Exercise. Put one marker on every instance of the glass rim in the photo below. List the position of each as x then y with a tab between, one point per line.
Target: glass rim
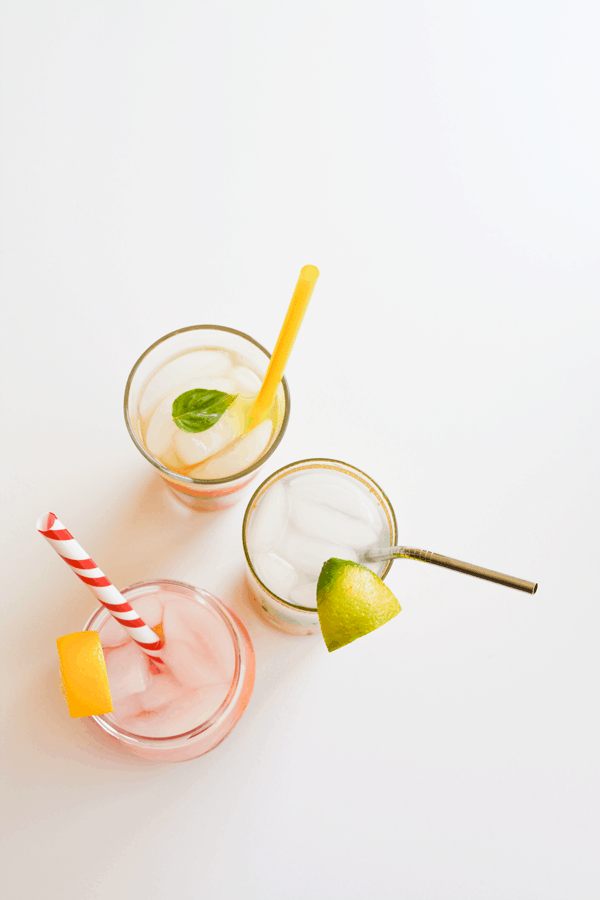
130	737
279	473
187	479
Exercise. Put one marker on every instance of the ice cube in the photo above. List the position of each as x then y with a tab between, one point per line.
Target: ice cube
246	380
198	648
190	665
163	689
127	706
305	595
196	447
320	521
181	714
226	385
176	618
195	708
269	519
338	491
161	430
128	670
113	634
307	554
239	456
180	370
274	572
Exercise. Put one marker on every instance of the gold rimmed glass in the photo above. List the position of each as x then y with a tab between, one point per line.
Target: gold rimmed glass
277	611
203	494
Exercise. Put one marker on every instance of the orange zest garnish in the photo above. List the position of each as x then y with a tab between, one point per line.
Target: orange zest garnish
83	670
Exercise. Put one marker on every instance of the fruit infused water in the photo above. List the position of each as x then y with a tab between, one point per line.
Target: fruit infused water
185	707
208	454
300	517
187	406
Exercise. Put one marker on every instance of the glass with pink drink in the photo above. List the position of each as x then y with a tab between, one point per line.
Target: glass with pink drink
185	707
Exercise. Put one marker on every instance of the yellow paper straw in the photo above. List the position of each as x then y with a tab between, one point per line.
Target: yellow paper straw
285	342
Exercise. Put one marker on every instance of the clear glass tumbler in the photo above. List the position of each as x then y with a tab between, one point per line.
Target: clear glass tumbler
199	493
215	641
331	477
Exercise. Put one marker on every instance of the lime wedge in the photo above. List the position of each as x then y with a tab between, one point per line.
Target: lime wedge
351	602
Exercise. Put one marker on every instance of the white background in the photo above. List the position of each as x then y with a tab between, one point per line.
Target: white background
173	163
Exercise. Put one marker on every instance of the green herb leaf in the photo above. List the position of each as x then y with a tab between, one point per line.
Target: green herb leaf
200	409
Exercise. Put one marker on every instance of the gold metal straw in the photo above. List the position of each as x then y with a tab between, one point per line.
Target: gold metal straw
285	342
448	563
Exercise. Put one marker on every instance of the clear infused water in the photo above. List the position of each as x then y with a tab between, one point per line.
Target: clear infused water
222	450
304	519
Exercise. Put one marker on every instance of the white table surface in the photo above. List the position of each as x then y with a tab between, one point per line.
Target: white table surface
174	163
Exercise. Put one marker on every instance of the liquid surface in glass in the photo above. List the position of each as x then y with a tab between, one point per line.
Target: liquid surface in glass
199	657
306	518
223	449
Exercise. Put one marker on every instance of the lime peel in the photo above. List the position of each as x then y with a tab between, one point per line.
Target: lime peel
351	602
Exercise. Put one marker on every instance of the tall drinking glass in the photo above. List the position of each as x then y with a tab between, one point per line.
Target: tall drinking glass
205	470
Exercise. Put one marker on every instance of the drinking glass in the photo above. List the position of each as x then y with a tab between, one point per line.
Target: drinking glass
226	645
278	611
202	494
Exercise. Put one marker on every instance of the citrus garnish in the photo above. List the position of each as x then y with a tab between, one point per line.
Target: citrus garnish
83	671
351	602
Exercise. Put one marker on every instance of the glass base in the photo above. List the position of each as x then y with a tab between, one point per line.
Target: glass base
209	501
281	624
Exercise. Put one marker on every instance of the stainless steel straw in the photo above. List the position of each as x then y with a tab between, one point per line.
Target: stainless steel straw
448	563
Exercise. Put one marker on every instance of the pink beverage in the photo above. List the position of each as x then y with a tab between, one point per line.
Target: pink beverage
206	469
186	707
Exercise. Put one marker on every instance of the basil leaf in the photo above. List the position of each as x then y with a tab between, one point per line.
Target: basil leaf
200	409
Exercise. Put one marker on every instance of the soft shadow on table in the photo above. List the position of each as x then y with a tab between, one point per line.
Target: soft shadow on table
281	659
148	529
48	751
44	739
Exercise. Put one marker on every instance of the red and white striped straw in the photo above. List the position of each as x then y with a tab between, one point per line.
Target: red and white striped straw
86	569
